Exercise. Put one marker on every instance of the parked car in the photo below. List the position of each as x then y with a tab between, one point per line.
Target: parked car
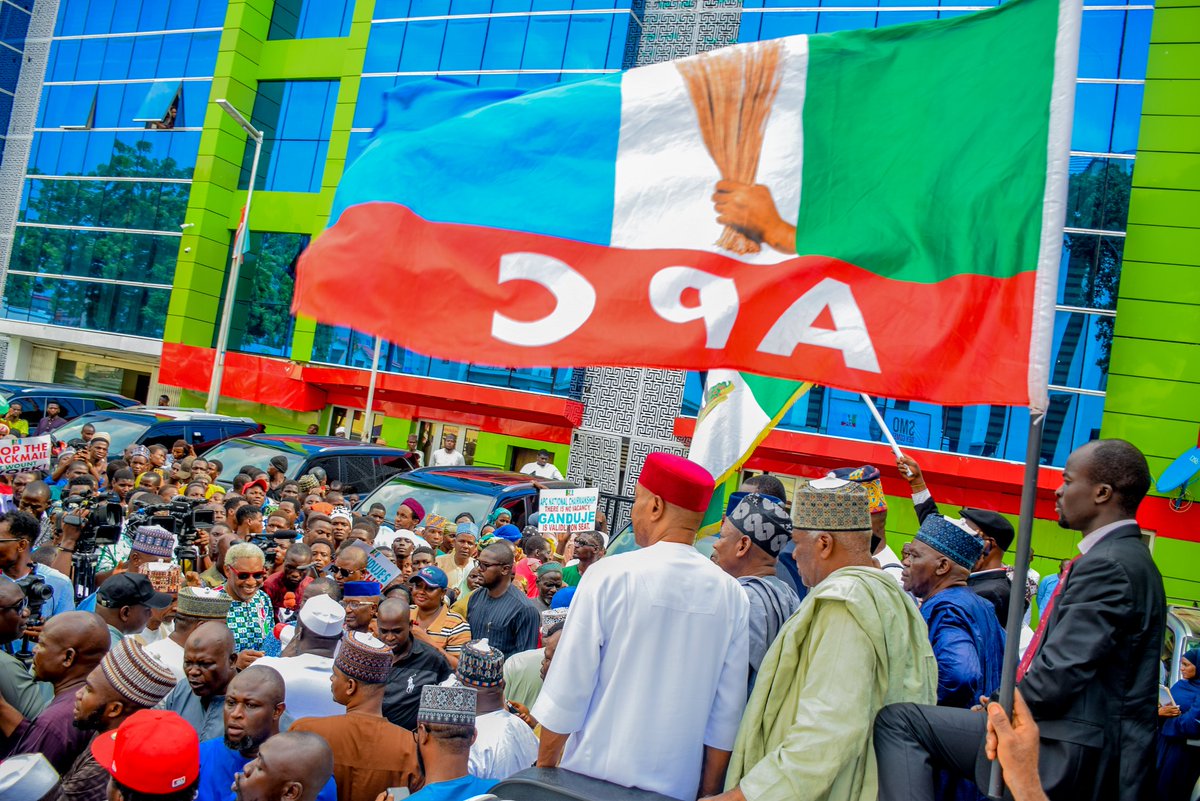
450	491
74	401
160	427
1183	634
360	465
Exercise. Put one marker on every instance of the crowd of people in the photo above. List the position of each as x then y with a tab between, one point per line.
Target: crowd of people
297	647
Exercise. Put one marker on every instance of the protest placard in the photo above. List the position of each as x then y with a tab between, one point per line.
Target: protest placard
380	568
27	453
566	510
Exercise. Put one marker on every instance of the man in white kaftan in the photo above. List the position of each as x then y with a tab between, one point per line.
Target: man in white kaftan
649	677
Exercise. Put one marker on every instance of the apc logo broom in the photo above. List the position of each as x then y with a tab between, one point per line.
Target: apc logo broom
713	397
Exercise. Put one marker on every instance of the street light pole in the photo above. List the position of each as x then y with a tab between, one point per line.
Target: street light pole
218	370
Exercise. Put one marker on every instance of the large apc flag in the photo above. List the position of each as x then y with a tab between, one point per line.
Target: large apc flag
875	210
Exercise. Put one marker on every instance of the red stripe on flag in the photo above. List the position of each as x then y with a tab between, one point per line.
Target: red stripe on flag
436	288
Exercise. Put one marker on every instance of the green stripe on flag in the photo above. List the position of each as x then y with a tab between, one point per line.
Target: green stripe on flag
931	134
739	410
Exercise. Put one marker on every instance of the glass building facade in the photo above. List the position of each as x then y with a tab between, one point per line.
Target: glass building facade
14	24
110	169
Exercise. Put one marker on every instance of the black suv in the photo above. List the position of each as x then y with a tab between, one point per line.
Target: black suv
74	401
160	427
360	465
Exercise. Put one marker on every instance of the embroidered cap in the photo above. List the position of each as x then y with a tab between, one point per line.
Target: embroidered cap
763	520
454	706
480	665
868	477
831	504
135	674
954	538
552	617
364	658
153	541
204	603
340	513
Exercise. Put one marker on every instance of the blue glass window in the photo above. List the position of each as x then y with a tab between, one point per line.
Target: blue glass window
117	56
98	16
262	317
116	308
13	26
296	118
159	100
10	69
310	19
211	14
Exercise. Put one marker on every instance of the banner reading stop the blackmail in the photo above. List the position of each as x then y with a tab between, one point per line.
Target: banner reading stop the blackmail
27	453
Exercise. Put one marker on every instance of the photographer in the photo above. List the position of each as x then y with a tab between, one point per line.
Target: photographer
18	531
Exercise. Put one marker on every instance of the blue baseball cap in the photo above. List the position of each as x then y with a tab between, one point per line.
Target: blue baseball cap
431	576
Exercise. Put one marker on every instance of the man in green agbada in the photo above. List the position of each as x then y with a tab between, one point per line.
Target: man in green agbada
856	644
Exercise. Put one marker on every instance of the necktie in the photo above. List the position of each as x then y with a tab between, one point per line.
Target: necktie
1043	624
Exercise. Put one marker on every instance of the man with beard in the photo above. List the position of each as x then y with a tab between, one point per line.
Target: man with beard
71	646
126	681
254	705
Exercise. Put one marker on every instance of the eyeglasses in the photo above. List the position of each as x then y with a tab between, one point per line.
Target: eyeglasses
10	539
357	604
487	565
19	606
257	575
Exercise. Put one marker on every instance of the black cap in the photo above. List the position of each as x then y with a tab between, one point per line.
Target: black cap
126	589
279	463
991	524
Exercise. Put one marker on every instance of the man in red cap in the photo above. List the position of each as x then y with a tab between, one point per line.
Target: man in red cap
631	719
153	754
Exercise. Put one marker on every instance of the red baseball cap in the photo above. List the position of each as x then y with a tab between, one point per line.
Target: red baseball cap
258	482
153	751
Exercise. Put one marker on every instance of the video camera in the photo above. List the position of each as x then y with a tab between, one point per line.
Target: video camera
98	518
181	517
37	592
268	545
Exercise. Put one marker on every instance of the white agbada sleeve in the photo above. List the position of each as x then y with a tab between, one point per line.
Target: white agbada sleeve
574	674
733	685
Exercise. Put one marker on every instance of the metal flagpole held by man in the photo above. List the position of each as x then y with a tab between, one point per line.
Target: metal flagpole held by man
240	239
1054	215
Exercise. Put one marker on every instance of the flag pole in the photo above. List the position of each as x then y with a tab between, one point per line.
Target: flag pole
887	434
1016	593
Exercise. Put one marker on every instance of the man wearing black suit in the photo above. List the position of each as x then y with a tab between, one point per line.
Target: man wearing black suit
1092	680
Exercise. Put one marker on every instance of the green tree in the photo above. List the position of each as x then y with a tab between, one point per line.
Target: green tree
143	205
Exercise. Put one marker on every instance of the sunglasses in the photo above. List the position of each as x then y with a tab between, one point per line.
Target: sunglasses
343	572
257	575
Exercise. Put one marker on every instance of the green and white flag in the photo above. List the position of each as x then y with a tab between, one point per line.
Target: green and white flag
739	410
